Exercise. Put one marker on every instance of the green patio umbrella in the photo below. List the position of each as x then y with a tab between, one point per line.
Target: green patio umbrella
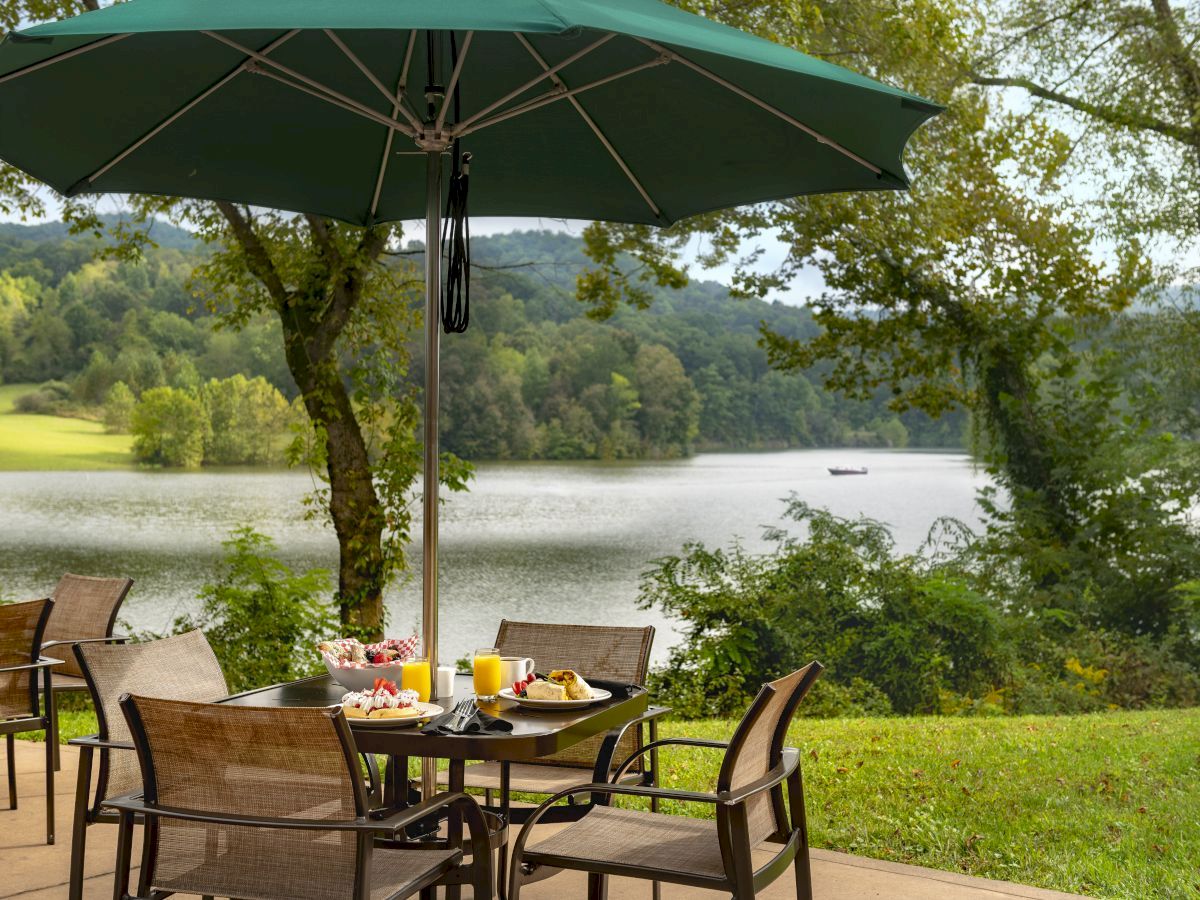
619	110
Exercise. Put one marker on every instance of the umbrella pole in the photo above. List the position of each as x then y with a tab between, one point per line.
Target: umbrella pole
429	565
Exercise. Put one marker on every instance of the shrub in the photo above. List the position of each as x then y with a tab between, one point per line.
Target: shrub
50	398
894	632
168	427
118	409
262	619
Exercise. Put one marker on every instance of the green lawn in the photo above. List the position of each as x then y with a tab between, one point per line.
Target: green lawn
1105	805
54	443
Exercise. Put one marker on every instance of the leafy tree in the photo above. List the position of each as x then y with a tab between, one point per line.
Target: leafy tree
668	408
246	418
118	409
18	296
1127	72
169	428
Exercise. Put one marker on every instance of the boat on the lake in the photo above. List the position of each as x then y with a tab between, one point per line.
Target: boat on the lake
847	470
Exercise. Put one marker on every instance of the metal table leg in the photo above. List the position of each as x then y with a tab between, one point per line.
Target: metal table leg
506	811
454	824
83	789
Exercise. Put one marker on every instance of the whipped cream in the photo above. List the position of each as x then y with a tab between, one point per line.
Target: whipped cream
380	699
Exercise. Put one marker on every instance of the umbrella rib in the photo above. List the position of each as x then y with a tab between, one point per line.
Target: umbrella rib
372	116
462	127
591	123
183	110
371	76
335	97
557	94
746	95
458	67
396	109
400	92
67	54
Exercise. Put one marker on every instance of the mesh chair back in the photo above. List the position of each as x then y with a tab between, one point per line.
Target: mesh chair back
182	667
21	629
84	607
611	653
229	761
757	747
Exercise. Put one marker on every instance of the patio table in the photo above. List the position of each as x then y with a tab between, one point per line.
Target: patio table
535	733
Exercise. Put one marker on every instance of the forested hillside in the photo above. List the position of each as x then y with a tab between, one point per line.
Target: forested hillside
532	378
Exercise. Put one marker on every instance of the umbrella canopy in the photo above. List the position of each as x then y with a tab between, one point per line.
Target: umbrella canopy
620	110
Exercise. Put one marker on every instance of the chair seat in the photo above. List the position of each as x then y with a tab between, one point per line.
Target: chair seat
526	778
62	682
671	844
523	777
393	871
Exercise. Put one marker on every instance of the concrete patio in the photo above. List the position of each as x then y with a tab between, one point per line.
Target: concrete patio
32	871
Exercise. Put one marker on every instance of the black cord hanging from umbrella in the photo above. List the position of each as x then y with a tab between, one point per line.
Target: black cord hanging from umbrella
456	233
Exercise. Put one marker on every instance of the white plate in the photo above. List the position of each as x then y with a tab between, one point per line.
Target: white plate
428	711
598	694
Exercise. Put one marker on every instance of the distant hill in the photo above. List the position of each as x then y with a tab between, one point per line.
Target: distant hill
533	377
164	233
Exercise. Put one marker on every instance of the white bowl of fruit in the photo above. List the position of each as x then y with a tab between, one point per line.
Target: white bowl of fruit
355	666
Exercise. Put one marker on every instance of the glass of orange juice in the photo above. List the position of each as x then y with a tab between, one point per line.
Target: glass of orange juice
415	677
487	673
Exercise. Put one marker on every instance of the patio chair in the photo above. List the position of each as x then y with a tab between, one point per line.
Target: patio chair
612	653
751	815
243	801
21	628
85	610
182	667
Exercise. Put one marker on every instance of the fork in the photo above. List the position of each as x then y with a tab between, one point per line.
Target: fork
461	711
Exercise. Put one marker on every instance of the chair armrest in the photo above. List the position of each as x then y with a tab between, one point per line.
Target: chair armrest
665	742
604	787
42	663
777	775
111	639
94	740
612	740
787	765
632	790
134	803
477	829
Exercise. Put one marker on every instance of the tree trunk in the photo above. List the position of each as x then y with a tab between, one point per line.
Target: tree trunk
353	504
312	319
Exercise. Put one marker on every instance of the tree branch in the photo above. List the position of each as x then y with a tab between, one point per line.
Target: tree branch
1188	136
1185	66
259	259
1037	27
325	244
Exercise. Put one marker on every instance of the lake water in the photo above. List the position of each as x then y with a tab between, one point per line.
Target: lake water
536	541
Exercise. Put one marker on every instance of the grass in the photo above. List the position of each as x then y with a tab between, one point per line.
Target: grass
1105	805
42	443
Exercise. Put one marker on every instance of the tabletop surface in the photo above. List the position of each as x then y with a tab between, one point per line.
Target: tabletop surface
535	732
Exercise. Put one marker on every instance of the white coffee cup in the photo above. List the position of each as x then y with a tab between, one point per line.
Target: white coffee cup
515	668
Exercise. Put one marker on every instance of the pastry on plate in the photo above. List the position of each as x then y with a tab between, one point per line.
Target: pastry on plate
383	697
576	687
545	690
403	712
